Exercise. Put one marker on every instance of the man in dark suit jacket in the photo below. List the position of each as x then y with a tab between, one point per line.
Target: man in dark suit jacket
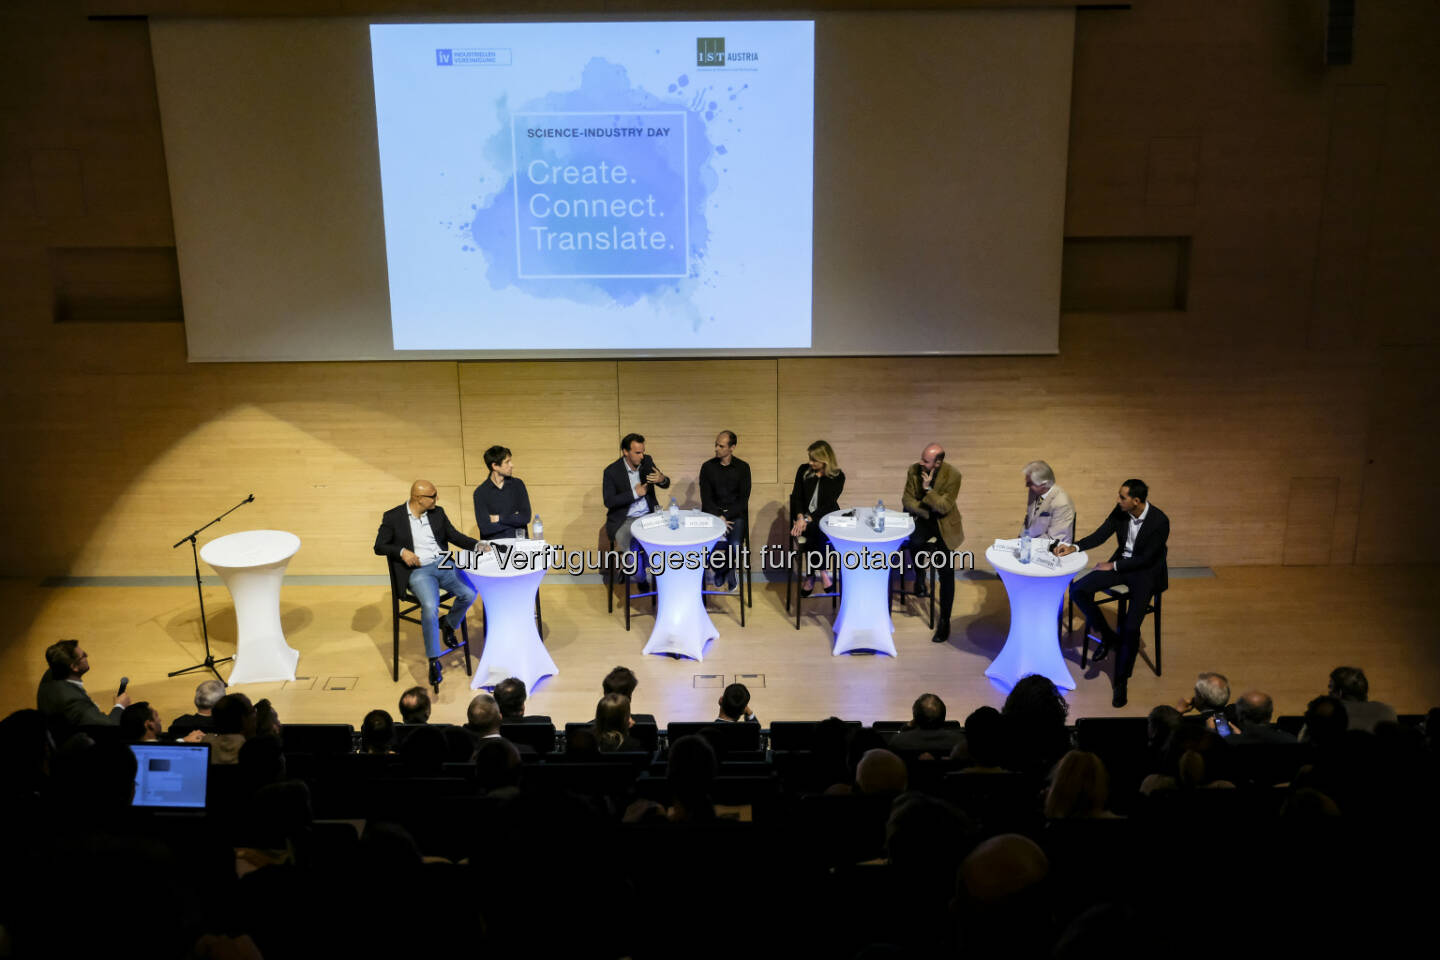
1252	713
629	489
927	732
415	536
62	697
1138	561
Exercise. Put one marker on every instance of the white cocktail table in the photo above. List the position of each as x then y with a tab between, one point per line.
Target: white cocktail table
1035	592
682	625
252	564
513	647
863	622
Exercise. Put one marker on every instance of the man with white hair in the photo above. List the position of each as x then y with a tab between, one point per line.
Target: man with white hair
1049	514
1212	696
206	696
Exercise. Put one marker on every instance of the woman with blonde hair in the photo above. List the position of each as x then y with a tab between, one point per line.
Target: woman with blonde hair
1079	788
818	485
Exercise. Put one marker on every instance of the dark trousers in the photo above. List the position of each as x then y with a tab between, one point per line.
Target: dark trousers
939	559
1142	588
733	540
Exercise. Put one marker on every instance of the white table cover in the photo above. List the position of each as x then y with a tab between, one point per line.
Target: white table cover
252	565
513	647
682	625
1036	592
863	622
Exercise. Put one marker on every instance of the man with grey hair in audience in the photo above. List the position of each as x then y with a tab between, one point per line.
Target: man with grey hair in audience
1049	514
1252	715
483	718
206	696
1349	686
1212	693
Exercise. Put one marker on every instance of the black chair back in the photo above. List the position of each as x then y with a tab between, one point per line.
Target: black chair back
725	738
538	736
802	734
318	738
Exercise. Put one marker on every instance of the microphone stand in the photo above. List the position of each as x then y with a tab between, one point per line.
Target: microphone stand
209	662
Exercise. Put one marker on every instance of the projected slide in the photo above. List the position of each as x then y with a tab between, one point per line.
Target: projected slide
608	186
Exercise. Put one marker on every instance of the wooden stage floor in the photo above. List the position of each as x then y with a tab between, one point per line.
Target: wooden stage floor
1278	629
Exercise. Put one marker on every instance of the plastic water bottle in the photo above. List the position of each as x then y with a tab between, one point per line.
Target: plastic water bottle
674	514
1025	547
879	516
539	528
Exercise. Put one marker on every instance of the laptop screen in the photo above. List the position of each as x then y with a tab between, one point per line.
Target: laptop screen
171	774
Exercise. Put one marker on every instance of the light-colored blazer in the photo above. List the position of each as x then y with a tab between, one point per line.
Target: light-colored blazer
1052	518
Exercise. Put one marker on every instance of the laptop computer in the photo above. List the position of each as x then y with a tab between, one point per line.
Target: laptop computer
171	776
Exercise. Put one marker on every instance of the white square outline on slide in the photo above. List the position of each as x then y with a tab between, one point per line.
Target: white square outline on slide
685	172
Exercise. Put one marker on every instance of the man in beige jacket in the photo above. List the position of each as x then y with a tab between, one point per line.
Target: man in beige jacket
931	489
1049	514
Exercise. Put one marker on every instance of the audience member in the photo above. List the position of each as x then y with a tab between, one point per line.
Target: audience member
377	733
1159	725
622	680
267	720
1079	788
613	723
510	696
691	774
423	752
735	705
1212	693
1194	759
234	724
140	723
1000	899
881	772
415	705
261	761
926	732
582	744
460	743
984	742
1349	686
482	718
1252	715
62	697
1035	715
207	694
25	751
497	766
1326	720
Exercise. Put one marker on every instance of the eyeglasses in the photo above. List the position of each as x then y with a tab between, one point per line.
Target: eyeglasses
428	496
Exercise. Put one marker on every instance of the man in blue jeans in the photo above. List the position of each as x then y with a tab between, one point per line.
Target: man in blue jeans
415	536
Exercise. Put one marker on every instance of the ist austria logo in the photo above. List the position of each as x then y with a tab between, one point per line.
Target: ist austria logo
709	51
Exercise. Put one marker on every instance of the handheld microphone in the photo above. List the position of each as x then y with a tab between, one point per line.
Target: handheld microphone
250	499
124	682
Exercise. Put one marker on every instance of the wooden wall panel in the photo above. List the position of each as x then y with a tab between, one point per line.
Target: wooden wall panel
1310	520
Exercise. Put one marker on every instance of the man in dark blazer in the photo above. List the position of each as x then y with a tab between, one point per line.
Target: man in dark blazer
926	732
62	697
1138	561
416	537
629	486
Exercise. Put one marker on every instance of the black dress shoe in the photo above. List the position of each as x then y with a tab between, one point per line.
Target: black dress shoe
1102	650
447	634
436	674
942	631
1120	696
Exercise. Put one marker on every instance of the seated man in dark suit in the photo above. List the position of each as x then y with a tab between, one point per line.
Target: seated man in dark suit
1252	714
926	732
628	486
62	697
1138	561
415	536
510	697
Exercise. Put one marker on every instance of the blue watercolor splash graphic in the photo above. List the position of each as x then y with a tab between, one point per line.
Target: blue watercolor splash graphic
604	90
